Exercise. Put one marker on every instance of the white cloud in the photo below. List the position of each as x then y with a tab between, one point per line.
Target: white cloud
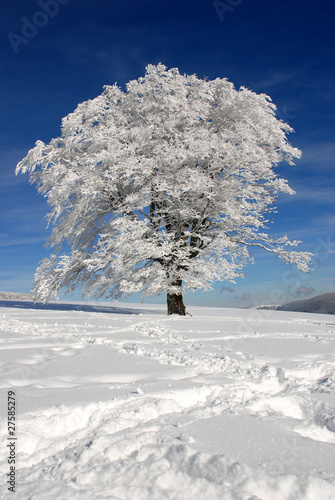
274	79
4	242
320	155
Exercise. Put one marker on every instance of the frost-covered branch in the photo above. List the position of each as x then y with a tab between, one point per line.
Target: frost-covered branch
167	183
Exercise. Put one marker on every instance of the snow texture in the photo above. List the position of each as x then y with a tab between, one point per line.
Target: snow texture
128	404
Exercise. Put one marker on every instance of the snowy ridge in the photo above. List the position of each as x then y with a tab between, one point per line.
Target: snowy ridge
324	304
220	405
15	296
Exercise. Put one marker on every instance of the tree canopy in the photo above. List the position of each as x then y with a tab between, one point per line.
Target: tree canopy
162	187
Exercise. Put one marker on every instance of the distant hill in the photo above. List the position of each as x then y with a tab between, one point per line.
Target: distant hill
322	304
15	296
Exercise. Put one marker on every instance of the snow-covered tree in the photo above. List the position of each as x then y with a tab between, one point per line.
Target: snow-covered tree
161	188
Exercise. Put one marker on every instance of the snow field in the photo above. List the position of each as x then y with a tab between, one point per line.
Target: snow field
219	405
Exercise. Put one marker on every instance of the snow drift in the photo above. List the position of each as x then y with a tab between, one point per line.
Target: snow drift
226	404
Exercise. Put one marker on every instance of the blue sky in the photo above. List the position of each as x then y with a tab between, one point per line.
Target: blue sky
58	53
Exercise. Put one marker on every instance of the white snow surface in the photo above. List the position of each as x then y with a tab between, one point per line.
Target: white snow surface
124	402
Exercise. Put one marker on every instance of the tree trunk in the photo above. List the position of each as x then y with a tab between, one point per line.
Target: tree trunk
175	303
